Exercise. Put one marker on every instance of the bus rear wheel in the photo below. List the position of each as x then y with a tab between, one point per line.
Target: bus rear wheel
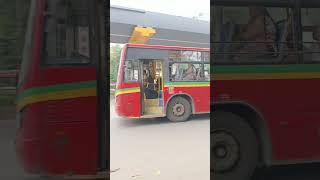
179	109
234	147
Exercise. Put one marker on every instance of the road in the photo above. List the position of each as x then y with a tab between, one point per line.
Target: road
157	149
10	168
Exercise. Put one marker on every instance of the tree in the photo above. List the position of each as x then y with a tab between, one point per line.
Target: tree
115	53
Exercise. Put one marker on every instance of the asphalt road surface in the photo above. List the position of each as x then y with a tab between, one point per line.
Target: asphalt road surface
10	168
156	149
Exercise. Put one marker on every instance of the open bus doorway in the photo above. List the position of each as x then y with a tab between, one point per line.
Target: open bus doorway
152	88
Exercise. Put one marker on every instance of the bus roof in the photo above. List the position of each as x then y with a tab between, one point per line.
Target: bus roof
166	47
271	3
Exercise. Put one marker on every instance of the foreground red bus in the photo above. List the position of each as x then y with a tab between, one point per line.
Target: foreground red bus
265	100
61	101
159	81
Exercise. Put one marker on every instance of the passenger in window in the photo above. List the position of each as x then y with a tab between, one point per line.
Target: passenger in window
289	38
316	46
147	79
287	48
261	28
190	73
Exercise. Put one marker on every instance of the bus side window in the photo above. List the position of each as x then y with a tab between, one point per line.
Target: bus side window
131	71
311	34
250	35
206	73
185	72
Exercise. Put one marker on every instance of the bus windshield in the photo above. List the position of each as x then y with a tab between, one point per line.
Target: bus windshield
67	32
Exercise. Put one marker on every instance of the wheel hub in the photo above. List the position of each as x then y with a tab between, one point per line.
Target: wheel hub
221	151
178	109
225	151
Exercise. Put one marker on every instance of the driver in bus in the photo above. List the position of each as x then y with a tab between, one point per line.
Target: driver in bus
147	79
260	28
148	83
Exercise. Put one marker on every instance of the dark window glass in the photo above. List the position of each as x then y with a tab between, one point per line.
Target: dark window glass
311	34
131	71
193	56
146	53
189	72
252	35
67	32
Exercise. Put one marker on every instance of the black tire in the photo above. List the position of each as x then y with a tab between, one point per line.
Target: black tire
178	109
234	147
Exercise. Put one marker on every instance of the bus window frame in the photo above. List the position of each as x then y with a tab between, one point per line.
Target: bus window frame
265	3
124	71
293	7
92	61
302	42
202	63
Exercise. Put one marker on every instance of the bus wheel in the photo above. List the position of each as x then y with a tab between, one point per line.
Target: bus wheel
179	109
234	147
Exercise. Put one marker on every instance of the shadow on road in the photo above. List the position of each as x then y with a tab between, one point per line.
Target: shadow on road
295	172
157	121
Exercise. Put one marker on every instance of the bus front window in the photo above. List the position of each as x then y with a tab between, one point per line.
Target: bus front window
131	73
67	32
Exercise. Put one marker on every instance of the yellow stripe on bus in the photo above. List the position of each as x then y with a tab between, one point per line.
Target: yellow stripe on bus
67	94
127	91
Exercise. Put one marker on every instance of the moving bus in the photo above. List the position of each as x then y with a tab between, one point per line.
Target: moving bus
158	81
265	100
61	102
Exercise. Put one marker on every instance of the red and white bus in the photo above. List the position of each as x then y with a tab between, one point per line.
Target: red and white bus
265	100
61	93
158	81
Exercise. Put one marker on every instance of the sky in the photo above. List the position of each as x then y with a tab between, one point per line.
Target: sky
184	8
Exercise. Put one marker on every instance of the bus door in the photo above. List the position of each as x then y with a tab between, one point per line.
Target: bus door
152	88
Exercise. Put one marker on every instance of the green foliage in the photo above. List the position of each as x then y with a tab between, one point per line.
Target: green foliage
115	53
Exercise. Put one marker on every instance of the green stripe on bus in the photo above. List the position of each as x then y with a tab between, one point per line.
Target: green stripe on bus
55	88
186	83
281	68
